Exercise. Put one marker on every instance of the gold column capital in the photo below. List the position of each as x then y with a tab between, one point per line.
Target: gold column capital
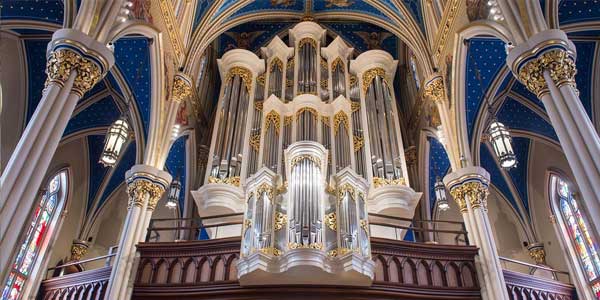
182	87
557	61
140	188
78	249
434	89
475	192
63	61
537	253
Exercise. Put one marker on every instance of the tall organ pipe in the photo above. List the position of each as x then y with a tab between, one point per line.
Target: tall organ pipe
338	78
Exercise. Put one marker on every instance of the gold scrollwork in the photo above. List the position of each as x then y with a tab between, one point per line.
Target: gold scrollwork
434	90
287	120
235	181
325	120
280	221
369	75
244	73
282	188
354	106
267	189
557	62
538	254
364	224
63	61
271	251
302	157
247	224
78	250
336	62
255	141
379	182
307	40
181	89
324	83
339	252
290	63
353	80
258	105
475	191
346	188
138	190
358	142
261	79
323	63
331	221
340	118
273	118
276	62
317	246
288	83
311	110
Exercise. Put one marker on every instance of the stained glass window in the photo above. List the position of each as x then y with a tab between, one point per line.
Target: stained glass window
581	238
413	70
36	237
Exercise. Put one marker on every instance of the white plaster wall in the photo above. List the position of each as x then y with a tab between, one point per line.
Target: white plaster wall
13	79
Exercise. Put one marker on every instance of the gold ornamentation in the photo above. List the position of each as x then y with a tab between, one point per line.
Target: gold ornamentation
353	80
434	90
410	155
244	73
323	63
290	64
475	191
339	252
261	79
63	61
557	62
182	88
331	221
330	189
537	253
325	120
324	83
235	181
317	246
167	10
287	120
267	189
78	249
247	224
336	62
379	182
307	40
359	142
302	157
258	105
276	62
338	118
255	141
364	225
271	251
288	83
448	22
280	221
346	188
369	75
282	188
354	106
273	118
140	189
308	109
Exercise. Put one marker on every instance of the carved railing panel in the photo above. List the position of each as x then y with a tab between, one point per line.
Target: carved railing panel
82	285
524	286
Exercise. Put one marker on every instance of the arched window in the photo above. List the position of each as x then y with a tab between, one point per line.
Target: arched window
36	240
583	242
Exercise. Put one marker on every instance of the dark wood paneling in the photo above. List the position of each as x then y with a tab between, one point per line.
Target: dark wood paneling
83	285
523	286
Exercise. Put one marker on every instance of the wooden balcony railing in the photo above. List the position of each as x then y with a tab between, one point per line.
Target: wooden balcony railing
207	270
523	286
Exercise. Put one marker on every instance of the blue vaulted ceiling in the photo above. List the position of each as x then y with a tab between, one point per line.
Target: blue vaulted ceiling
576	11
439	165
176	165
34	10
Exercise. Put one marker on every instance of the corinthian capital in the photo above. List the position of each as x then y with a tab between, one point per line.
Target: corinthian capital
434	89
469	185
182	87
145	183
559	64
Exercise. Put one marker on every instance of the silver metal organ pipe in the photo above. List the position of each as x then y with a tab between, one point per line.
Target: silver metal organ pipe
240	128
393	137
374	133
382	119
226	155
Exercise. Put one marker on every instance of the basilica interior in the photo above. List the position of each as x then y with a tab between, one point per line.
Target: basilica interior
285	149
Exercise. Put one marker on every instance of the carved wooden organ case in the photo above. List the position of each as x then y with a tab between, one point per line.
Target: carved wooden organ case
306	143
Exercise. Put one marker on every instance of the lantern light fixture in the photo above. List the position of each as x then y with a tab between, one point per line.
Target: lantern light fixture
502	143
174	192
116	137
440	195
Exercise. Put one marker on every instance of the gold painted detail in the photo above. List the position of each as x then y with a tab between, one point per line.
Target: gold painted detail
307	40
364	224
282	188
434	90
336	62
287	120
255	141
369	75
379	182
538	254
446	26
261	79
344	189
339	252
271	251
324	83
273	118
280	221
288	83
410	155
308	109
325	120
167	10
78	250
290	63
265	189
317	246
359	142
258	105
474	192
323	63
330	189
244	73
353	80
340	118
276	62
138	190
302	157
63	61
235	181
247	224
331	221
557	62
354	106
181	89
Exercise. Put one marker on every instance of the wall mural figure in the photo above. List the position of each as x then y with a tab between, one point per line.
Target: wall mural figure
373	39
243	40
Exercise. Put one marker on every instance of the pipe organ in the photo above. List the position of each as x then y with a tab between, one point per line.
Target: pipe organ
306	143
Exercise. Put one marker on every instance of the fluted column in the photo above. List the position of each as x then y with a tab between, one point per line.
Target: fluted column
545	64
75	63
469	188
145	186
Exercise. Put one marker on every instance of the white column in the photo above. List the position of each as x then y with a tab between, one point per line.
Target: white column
76	62
545	64
469	188
145	186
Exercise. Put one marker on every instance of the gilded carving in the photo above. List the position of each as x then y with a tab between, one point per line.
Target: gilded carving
139	189
434	90
379	182
354	106
247	224
410	155
261	79
287	120
244	74
557	62
235	181
346	188
280	221
475	192
302	157
336	62
331	221
307	40
353	80
364	224
273	118
537	253
358	142
311	110
340	118
258	105
271	251
78	250
317	246
266	189
369	75
339	252
181	89
63	61
325	120
323	63
255	141
324	83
